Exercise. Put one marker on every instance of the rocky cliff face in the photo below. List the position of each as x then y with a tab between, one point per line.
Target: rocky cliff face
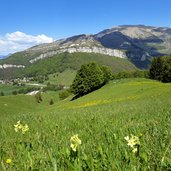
4	66
101	50
141	42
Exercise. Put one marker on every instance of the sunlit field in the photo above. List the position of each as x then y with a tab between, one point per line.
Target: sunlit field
125	125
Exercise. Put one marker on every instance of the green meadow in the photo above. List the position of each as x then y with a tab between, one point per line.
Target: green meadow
102	120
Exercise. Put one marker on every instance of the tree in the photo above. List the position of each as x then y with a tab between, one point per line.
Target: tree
89	78
156	69
161	69
166	70
2	93
107	72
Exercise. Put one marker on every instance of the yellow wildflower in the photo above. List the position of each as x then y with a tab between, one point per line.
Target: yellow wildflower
75	141
19	127
133	141
134	150
25	128
8	161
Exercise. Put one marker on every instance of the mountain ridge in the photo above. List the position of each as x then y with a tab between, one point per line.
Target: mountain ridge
137	43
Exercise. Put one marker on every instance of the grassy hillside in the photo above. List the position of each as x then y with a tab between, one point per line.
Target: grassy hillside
64	78
101	119
20	58
61	62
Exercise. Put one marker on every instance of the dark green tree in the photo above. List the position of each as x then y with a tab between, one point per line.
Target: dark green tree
2	93
107	72
89	78
166	70
161	69
156	69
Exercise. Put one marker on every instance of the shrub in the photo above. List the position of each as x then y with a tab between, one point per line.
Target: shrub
64	94
2	93
51	102
14	92
38	97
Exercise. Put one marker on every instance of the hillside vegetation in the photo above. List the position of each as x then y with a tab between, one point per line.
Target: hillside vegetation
103	121
60	62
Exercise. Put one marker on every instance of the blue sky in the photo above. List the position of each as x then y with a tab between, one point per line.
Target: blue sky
62	18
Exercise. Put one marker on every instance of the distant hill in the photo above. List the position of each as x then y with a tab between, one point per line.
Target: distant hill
2	57
61	62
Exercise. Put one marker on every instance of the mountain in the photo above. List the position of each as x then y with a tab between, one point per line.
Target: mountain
5	56
2	57
140	42
137	43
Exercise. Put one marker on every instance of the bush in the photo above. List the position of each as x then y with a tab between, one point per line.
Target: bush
51	102
132	74
38	97
14	92
64	94
2	93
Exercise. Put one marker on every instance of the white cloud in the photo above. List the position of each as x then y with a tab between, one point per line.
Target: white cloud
18	41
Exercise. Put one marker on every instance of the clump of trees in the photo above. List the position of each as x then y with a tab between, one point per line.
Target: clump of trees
161	69
132	74
90	77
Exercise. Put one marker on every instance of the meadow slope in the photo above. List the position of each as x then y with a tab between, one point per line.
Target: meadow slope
102	120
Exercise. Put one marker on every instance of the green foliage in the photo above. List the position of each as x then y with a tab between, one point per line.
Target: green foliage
2	93
61	62
132	74
161	69
53	87
14	92
107	73
64	94
38	97
51	102
156	69
89	78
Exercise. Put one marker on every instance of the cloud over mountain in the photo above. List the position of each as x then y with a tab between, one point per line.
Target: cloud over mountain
18	41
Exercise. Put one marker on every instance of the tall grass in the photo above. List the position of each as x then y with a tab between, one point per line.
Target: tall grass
139	107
